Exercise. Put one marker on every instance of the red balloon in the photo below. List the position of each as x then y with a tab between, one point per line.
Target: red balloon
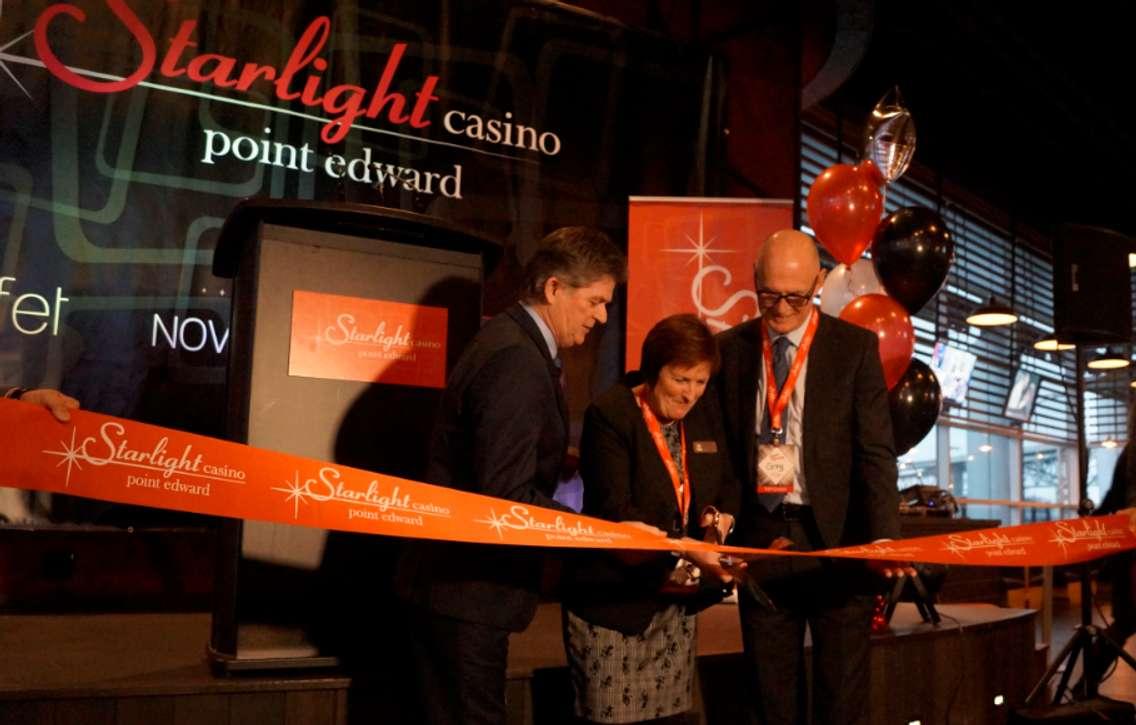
892	325
844	207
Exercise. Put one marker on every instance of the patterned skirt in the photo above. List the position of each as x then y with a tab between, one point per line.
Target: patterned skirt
620	678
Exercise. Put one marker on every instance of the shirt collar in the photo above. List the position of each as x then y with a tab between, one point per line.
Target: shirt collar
545	331
794	335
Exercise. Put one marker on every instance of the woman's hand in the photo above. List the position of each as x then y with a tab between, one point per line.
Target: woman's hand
717	525
710	562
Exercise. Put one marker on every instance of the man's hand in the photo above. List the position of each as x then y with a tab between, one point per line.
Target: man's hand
59	404
890	569
633	557
1131	514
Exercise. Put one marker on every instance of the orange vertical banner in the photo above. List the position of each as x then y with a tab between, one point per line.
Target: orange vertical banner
695	256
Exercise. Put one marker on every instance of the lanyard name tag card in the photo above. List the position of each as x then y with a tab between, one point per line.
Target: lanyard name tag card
776	467
778	461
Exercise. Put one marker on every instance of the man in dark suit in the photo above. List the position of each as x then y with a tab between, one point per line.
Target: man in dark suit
502	431
818	470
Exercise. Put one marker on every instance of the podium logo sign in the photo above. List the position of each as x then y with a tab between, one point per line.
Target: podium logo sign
374	341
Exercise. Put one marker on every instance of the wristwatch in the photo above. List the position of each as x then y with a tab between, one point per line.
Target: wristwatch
15	393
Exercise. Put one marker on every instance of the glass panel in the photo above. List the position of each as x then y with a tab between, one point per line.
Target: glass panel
1102	462
980	469
919	466
1048	472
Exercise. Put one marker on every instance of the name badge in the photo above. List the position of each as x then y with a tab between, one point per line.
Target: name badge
705	446
776	468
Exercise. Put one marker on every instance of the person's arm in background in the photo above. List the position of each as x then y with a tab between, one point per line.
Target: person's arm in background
59	404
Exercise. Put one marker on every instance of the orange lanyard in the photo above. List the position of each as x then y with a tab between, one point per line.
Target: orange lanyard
681	483
778	400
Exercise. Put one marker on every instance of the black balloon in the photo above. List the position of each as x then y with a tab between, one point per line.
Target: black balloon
912	252
915	402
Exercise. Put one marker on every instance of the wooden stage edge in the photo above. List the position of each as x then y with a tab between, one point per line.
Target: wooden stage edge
120	669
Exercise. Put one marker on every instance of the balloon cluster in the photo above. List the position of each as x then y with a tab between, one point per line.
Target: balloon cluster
912	251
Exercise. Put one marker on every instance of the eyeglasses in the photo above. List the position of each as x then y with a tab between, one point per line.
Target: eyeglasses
767	299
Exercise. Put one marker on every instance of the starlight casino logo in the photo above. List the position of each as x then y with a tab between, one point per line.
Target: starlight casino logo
156	467
1092	532
520	518
376	502
989	543
338	337
299	79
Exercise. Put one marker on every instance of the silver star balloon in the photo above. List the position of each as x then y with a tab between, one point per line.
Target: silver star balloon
889	136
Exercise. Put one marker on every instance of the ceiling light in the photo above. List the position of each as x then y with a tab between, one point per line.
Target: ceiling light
1049	343
1108	360
992	314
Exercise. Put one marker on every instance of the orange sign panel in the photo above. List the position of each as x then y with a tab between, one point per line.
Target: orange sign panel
695	256
375	341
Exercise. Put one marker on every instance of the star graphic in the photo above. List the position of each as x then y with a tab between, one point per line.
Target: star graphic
701	248
71	455
4	66
316	340
297	494
495	522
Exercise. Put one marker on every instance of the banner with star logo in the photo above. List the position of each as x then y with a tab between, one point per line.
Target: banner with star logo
695	255
113	459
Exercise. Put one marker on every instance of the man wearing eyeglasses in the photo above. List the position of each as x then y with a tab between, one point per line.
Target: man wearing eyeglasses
817	458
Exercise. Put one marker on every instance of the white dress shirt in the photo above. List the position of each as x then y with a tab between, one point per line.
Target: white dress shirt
794	411
545	332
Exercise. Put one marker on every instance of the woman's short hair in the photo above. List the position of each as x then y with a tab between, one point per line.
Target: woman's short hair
682	340
578	256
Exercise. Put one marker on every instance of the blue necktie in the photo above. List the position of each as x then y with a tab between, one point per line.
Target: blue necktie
780	373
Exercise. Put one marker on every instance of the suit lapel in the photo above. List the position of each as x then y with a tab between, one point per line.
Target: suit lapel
748	373
525	321
821	360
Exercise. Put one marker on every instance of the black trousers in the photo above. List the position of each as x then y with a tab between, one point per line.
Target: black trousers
836	600
459	669
1122	569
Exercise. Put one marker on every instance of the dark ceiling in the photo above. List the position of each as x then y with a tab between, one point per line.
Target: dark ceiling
1028	105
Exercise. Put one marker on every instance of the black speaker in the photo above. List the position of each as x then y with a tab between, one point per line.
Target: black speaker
1092	296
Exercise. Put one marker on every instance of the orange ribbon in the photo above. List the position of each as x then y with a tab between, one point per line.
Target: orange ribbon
112	459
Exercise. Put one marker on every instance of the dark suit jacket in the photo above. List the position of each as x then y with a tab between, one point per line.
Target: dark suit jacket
848	452
502	431
625	479
1122	492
